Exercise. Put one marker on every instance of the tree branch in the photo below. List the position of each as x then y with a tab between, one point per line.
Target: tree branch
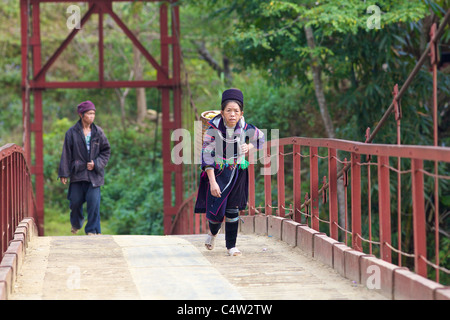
206	55
318	87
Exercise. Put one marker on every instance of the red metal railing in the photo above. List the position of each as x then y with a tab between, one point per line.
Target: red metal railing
368	221
16	193
366	211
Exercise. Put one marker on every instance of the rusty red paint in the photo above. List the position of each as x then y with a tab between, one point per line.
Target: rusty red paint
314	186
397	108
352	178
333	194
356	201
420	248
251	186
280	182
384	200
434	57
297	188
16	193
267	181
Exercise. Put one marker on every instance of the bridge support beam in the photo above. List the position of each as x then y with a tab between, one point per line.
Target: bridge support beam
168	82
32	101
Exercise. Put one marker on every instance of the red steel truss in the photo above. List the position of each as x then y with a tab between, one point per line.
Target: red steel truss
167	81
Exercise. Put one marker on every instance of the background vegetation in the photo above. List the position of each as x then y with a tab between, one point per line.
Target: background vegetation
334	84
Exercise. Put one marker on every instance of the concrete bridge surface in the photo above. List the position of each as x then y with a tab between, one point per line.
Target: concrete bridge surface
176	267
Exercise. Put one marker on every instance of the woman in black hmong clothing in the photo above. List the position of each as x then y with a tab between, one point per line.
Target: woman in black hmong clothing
223	189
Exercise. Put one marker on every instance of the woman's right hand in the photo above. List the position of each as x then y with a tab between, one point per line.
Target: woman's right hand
215	190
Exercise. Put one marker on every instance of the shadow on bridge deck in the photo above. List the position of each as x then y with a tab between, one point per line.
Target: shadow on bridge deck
175	267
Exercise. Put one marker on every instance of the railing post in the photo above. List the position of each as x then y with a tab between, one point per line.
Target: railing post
12	186
280	181
196	223
3	241
251	183
16	189
420	247
356	201
9	218
21	192
332	189
314	186
267	181
384	200
297	183
434	62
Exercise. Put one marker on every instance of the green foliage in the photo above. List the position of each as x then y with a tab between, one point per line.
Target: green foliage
132	195
290	111
55	191
134	206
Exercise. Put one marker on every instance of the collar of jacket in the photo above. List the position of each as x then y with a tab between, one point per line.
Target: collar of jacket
79	127
218	123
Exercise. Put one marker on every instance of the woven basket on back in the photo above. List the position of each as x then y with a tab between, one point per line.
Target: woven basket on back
205	117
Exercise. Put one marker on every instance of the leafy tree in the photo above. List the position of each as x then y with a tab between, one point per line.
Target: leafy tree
272	35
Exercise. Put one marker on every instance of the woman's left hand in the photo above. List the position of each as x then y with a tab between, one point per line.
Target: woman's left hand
244	148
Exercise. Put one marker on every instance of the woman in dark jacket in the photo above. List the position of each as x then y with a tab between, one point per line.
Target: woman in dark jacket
223	189
84	156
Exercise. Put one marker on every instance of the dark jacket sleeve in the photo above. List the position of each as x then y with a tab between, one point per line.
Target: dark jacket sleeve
65	164
102	159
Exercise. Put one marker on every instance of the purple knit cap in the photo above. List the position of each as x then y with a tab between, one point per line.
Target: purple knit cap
85	106
233	94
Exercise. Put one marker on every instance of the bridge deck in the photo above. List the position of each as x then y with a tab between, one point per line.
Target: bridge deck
175	267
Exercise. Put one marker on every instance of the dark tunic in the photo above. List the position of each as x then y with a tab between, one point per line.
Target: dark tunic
75	155
222	153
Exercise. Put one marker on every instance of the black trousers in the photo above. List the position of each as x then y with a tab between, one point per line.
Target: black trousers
231	227
79	193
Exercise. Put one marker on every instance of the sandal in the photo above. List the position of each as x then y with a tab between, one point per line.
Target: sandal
74	230
234	252
210	239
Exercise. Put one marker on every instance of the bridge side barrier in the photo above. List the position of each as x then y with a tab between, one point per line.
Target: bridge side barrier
17	212
12	260
365	225
392	281
186	222
16	192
